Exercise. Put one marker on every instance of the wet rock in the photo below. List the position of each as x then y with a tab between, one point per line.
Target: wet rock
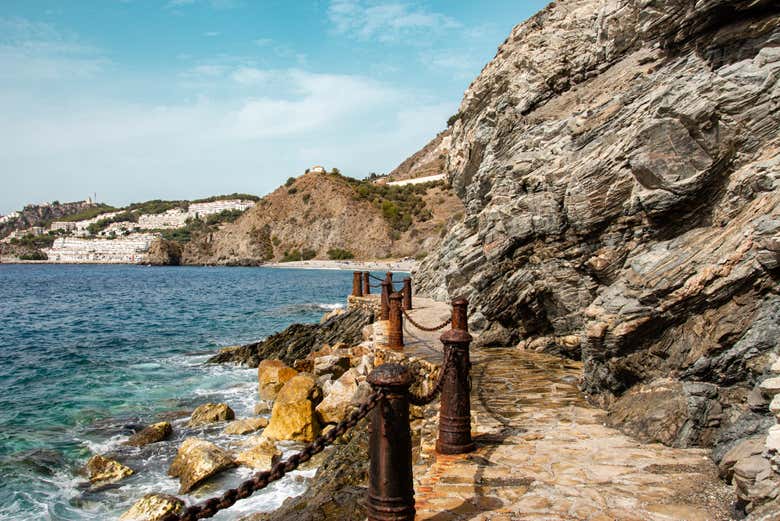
330	314
163	252
261	456
246	425
196	461
210	413
152	434
153	507
293	416
299	340
338	489
271	376
104	471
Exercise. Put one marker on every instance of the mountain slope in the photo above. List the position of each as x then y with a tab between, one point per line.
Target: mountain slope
318	212
618	161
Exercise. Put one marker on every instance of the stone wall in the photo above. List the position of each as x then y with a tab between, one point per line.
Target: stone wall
370	303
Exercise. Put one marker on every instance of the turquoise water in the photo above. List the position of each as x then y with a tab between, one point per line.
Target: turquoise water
88	353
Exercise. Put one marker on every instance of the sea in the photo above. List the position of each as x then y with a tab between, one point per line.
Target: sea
90	353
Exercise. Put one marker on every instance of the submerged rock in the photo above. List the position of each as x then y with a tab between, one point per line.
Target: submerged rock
151	434
271	376
196	461
104	471
153	507
293	416
210	413
299	340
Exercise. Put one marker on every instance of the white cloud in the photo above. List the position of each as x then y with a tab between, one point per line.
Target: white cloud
216	4
386	22
274	125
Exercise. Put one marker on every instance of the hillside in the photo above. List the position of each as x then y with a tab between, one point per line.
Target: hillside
320	212
429	160
41	215
619	166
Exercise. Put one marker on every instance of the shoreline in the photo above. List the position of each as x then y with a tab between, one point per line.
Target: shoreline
348	265
402	266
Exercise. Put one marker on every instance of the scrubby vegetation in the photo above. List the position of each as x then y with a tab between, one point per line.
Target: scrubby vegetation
299	255
339	254
156	206
89	213
400	205
34	242
227	197
102	224
36	255
262	239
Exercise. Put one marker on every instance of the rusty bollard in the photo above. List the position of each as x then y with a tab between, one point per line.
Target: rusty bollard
395	334
455	406
389	279
366	283
357	288
384	300
390	487
407	293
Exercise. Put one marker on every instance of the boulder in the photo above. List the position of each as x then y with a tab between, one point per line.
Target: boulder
271	376
261	457
337	402
196	461
246	425
771	386
293	416
210	413
335	365
745	449
330	314
151	434
153	507
103	471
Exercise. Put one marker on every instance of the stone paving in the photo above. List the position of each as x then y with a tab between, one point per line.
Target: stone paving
543	453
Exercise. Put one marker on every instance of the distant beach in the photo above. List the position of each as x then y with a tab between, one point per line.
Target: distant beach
379	265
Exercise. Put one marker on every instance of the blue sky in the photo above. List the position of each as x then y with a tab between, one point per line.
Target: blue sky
175	99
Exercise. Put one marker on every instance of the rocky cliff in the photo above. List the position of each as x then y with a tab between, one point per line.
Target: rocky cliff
318	212
618	161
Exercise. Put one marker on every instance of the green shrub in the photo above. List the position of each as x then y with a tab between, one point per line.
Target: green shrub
452	119
289	182
292	190
306	198
340	254
36	255
308	254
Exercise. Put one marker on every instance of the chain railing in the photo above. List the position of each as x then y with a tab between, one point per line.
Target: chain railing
210	507
391	488
425	399
424	328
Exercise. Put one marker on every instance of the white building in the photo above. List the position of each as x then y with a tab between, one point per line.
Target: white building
124	250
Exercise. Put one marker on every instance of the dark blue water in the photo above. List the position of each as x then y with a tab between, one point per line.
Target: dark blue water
88	351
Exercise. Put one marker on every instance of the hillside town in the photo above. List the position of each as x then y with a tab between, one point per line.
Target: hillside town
115	237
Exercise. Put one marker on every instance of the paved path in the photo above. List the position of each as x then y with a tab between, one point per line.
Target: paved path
544	454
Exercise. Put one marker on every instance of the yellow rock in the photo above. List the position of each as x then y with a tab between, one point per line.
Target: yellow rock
197	460
103	470
271	377
153	507
293	416
260	457
246	426
211	413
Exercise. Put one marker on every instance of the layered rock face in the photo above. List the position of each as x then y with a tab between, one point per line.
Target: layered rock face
619	165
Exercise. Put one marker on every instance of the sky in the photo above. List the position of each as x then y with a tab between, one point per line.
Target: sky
179	99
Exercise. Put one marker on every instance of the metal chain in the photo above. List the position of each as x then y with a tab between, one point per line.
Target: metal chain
425	399
423	328
261	480
376	278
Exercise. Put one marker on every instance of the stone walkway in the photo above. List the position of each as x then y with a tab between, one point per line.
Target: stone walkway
544	454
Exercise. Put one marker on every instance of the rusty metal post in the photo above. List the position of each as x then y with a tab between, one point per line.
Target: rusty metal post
366	283
455	407
390	486
460	318
357	288
389	279
395	333
384	300
407	293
